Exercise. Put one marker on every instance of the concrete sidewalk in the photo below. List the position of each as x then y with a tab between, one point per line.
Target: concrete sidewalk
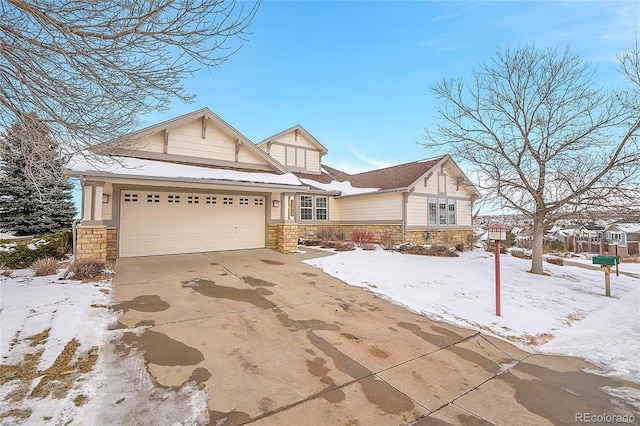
274	341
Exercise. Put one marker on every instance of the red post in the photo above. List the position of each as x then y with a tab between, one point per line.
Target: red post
497	256
617	261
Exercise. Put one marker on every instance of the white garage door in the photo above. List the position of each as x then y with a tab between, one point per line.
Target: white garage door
153	223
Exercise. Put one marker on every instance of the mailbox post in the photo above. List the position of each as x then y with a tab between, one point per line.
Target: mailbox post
497	233
606	262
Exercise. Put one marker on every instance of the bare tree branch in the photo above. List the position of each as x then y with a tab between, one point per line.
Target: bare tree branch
544	138
90	69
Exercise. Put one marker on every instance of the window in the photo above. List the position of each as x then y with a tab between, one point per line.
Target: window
227	200
130	198
433	211
243	201
441	211
258	201
153	198
452	212
211	200
193	199
173	199
321	208
306	207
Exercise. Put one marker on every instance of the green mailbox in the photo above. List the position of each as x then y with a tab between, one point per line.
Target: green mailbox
606	260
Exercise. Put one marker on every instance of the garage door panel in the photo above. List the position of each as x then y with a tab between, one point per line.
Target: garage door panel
153	223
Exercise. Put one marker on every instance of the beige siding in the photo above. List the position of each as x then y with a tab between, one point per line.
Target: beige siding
187	140
152	143
417	211
431	186
464	212
291	156
278	152
313	161
248	156
371	207
301	141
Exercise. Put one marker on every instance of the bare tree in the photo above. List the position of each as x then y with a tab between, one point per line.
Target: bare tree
90	69
544	139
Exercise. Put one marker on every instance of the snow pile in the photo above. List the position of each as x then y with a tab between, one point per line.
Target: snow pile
345	188
564	313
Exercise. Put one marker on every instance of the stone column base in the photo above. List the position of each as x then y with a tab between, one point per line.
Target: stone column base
91	242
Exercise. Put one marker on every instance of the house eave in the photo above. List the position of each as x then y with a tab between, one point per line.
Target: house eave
220	182
382	191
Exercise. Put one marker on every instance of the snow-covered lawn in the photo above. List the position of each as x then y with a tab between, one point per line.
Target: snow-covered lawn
52	330
564	313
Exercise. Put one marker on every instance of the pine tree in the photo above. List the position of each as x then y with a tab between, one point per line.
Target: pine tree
35	195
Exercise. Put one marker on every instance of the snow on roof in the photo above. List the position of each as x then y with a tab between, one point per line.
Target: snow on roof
627	227
345	188
126	166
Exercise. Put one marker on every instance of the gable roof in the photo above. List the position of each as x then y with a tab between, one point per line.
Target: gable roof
394	177
206	115
296	128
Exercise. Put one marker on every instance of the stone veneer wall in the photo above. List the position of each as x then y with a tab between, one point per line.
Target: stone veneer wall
112	244
91	242
283	237
444	237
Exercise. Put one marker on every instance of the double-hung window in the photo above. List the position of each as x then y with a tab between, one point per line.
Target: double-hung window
314	207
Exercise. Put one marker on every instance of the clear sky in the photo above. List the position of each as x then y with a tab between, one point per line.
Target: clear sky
356	75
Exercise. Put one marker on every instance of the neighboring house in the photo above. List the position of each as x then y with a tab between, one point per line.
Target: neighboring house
622	239
589	239
194	184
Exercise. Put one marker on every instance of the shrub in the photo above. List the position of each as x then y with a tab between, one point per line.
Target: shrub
22	254
520	254
387	240
343	246
86	269
45	266
459	247
309	242
328	244
361	238
427	250
556	261
556	246
368	246
340	236
325	233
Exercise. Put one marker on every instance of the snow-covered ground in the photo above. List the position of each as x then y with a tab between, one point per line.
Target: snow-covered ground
564	312
58	337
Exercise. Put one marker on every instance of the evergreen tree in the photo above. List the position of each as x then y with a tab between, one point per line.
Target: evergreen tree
35	195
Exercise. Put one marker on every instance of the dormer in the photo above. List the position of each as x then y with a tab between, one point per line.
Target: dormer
296	148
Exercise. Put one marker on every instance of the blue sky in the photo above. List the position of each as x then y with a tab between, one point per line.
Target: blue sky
356	75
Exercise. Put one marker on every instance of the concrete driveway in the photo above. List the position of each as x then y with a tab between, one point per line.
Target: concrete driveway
275	341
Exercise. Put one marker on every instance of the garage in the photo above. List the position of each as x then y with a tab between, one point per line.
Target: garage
158	222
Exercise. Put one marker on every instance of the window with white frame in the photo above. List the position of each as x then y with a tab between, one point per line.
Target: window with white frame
314	208
321	208
306	207
452	211
433	211
441	211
